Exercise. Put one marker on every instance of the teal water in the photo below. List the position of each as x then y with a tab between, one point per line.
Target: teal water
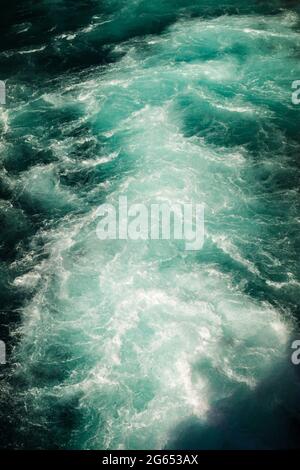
130	345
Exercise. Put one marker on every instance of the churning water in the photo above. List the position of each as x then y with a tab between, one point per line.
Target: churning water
128	345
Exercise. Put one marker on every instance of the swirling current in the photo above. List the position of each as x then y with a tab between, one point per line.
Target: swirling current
142	345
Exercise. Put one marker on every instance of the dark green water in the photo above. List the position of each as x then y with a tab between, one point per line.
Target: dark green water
143	345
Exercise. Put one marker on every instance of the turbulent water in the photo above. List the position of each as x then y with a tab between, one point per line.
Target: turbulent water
130	345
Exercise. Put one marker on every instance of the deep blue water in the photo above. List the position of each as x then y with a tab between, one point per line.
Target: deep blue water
122	345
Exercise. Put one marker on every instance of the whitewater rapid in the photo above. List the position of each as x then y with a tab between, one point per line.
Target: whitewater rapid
122	344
